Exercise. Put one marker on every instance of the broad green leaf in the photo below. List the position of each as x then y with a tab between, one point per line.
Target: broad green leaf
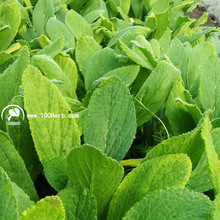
109	123
141	45
53	131
209	85
178	54
181	111
126	73
94	10
6	60
137	7
139	58
171	204
53	48
123	4
79	203
23	200
200	179
68	66
76	5
10	23
157	85
98	65
14	166
56	29
212	157
43	11
88	167
86	46
190	143
11	79
77	24
157	173
198	55
55	173
49	208
23	142
53	72
126	32
216	210
8	203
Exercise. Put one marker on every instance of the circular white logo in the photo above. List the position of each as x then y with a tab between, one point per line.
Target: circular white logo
14	112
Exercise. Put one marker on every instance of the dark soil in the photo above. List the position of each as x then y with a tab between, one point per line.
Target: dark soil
197	13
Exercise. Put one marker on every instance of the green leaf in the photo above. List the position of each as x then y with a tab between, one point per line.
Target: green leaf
68	66
128	33
10	23
57	29
109	122
157	85
6	60
52	48
11	79
22	199
198	55
90	168
94	10
79	203
200	179
212	157
53	72
43	10
126	73
86	46
135	56
55	173
77	24
14	166
209	85
98	65
8	203
157	173
53	132
171	204
178	54
182	112
216	210
23	142
190	143
49	208
123	4
137	7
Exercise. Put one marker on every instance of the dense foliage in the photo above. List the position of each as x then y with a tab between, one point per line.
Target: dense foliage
121	102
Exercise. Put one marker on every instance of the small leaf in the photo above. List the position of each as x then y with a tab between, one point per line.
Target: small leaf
90	168
49	208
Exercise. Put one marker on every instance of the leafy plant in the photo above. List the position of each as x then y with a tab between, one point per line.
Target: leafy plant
109	110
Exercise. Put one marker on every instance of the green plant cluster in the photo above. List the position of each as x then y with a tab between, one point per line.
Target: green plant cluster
122	111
